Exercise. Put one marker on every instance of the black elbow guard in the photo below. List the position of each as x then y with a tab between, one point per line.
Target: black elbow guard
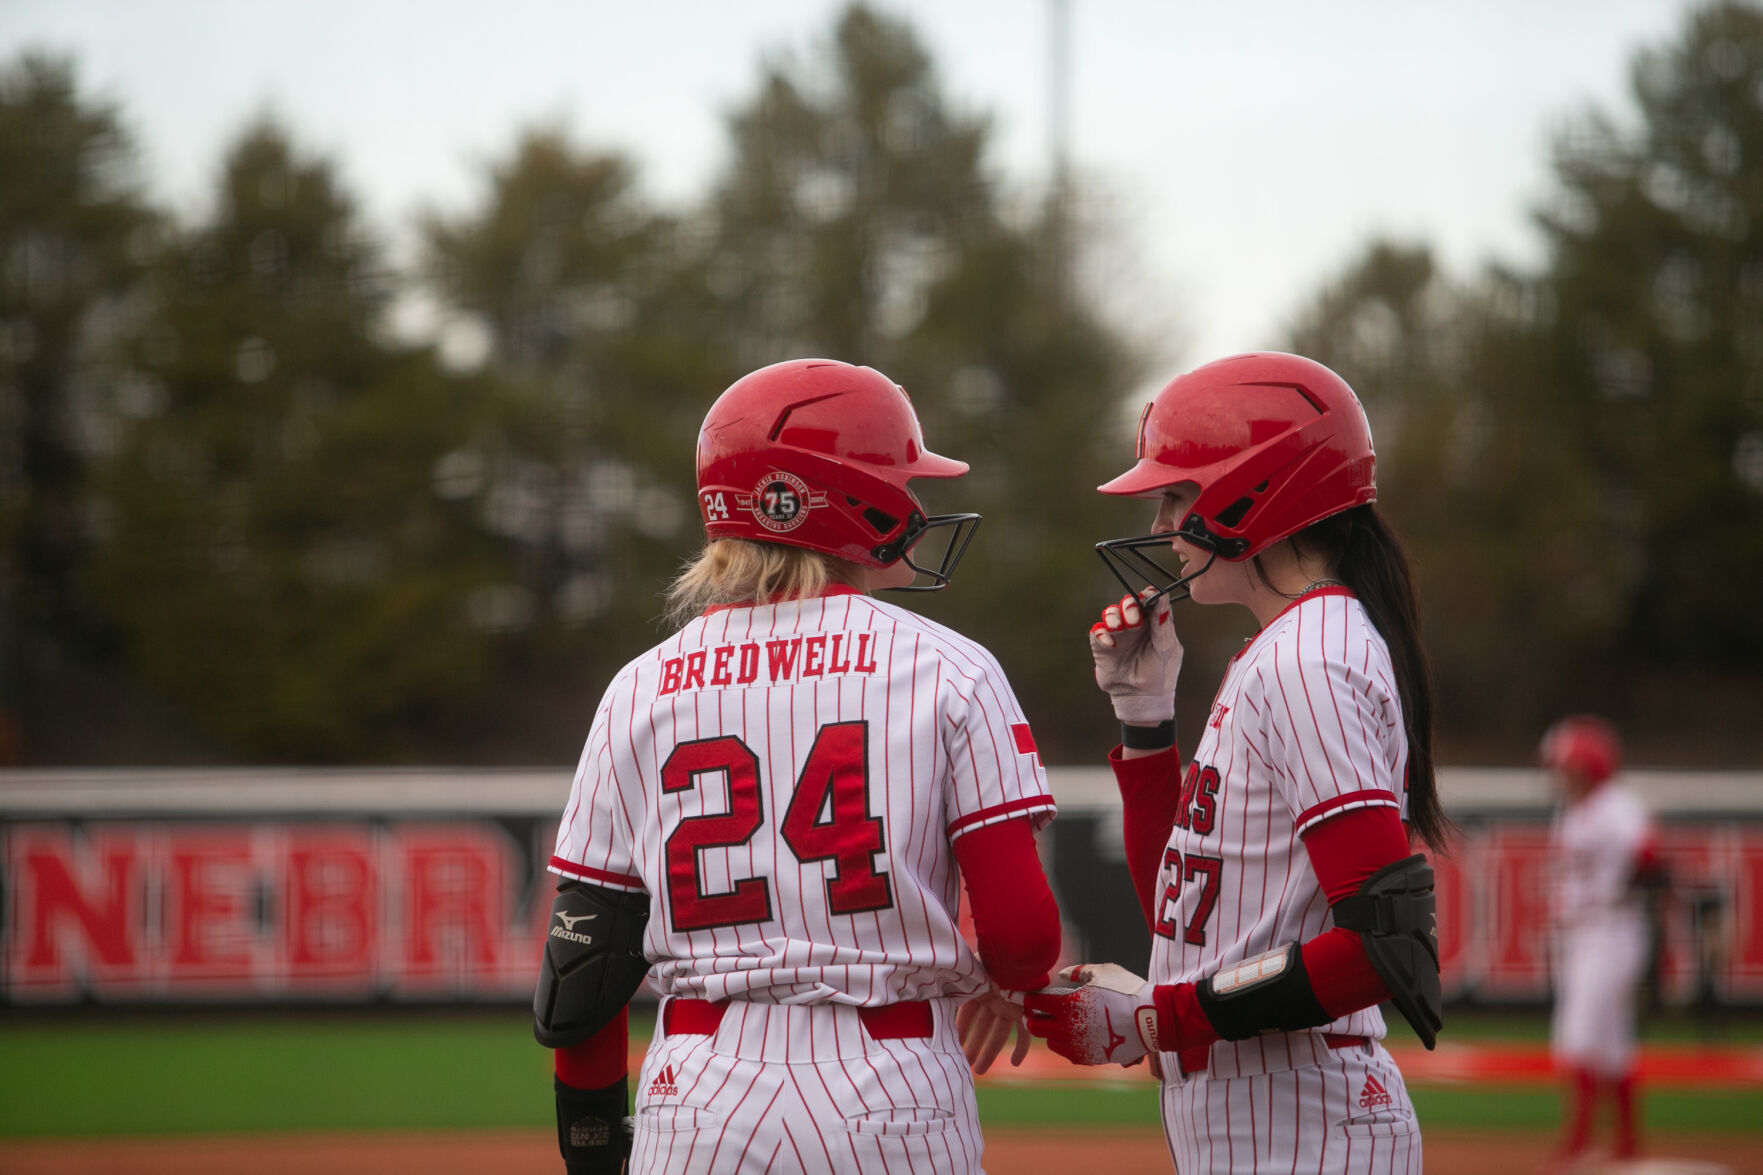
1396	915
1269	991
593	962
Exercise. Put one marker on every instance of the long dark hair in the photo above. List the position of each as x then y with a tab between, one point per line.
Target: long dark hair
1368	557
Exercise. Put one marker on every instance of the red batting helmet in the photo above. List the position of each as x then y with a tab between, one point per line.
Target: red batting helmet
1274	442
815	453
1584	744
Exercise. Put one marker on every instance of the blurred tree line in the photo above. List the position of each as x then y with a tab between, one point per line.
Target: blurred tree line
243	519
1576	455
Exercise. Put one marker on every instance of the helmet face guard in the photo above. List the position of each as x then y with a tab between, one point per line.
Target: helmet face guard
960	528
1130	560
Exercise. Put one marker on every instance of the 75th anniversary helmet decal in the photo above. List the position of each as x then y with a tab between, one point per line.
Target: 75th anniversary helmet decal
781	501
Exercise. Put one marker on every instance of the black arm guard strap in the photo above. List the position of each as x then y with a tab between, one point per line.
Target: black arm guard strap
1269	991
592	1130
1396	915
593	962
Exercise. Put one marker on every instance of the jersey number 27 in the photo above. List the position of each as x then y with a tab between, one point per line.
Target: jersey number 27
834	780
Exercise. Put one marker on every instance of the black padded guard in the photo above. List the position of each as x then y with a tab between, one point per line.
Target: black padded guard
591	1129
582	986
1396	915
1285	1003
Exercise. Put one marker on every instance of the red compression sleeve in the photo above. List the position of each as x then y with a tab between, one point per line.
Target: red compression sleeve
1344	850
1150	794
1014	914
599	1060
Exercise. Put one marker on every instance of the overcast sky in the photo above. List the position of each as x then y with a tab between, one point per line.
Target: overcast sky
1243	150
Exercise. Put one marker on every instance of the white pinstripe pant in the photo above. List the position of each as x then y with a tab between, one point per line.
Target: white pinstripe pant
1348	1113
798	1089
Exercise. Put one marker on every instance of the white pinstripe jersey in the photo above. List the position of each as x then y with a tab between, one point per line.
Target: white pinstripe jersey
1595	843
1307	724
785	782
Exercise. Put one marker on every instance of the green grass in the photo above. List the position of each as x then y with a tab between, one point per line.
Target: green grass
180	1075
1675	1028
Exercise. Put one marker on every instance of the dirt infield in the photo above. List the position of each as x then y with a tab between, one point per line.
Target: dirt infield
1484	1062
1008	1152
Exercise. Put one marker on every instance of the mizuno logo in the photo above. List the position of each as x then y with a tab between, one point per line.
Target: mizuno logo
664	1084
567	931
586	940
1115	1040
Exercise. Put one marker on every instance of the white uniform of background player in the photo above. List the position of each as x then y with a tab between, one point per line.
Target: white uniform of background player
1257	863
791	783
1600	844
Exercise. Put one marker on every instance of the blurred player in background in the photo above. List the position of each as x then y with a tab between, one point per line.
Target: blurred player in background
1275	870
770	812
1604	856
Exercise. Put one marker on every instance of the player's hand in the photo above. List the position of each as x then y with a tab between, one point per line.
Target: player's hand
984	1023
1102	1015
1138	657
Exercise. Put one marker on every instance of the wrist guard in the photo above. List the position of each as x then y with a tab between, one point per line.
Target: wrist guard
1268	991
593	1132
1148	738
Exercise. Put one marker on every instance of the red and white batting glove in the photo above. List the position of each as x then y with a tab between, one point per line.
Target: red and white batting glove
1109	1019
1138	658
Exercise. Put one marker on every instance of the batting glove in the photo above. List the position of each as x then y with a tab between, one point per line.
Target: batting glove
1138	657
1105	1016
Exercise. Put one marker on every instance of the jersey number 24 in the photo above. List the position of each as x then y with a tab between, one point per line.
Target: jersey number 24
834	780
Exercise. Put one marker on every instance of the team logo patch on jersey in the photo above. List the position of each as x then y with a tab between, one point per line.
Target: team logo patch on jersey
1218	712
1373	1095
664	1084
1025	740
781	501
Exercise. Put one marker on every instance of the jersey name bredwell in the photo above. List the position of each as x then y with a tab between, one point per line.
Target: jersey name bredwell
783	661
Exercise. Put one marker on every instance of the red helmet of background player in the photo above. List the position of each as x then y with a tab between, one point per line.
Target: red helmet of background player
816	453
1274	443
1582	744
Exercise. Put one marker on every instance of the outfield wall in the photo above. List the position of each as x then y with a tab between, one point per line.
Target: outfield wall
410	887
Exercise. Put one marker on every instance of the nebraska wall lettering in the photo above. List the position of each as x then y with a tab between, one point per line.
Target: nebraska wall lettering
333	887
272	911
